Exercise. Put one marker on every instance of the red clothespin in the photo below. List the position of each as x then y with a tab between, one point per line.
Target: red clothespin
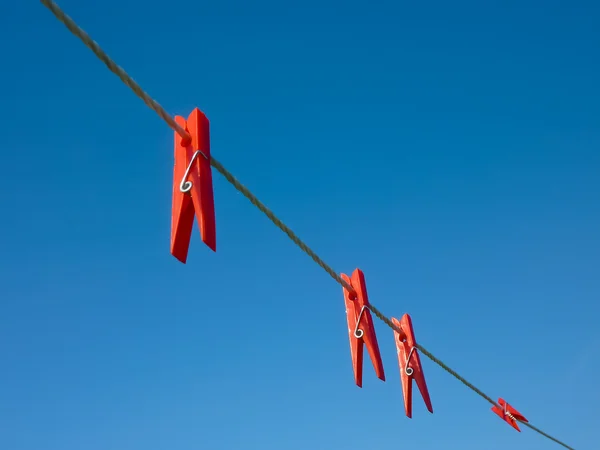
192	186
361	329
509	414
410	363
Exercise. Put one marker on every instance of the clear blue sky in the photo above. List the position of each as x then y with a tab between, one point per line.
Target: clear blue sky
449	150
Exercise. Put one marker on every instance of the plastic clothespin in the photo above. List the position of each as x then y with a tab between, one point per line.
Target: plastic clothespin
509	414
361	329
410	363
192	186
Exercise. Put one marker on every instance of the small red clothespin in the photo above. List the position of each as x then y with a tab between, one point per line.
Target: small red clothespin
361	329
192	186
410	363
509	414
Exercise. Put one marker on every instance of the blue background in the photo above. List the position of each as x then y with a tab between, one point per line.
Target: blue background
448	149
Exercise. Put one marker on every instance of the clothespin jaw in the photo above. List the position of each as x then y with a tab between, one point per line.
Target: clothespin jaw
361	329
192	186
509	414
410	363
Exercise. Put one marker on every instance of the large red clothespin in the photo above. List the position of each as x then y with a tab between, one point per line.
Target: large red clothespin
361	329
509	414
410	363
192	186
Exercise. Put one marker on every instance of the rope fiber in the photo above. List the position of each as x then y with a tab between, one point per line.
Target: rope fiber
162	113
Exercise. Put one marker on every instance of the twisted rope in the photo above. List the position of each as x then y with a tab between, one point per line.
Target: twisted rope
114	67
